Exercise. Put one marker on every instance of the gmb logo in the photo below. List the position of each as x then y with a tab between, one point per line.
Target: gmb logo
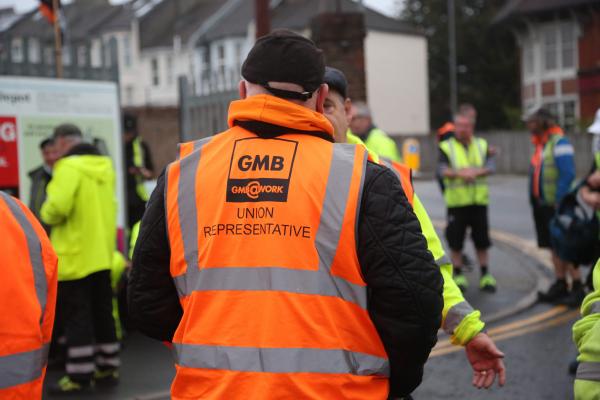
260	170
254	189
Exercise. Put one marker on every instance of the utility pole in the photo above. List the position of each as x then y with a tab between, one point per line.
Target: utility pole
57	39
452	57
262	17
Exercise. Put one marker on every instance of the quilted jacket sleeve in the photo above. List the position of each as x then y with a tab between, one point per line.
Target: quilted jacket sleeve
405	285
151	295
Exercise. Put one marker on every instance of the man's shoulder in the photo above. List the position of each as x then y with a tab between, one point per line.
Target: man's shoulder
563	147
380	134
36	172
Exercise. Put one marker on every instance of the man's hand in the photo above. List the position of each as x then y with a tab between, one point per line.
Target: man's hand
592	198
486	361
594	180
468	174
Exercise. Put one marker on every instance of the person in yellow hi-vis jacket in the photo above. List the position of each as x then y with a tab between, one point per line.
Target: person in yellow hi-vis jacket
459	319
586	335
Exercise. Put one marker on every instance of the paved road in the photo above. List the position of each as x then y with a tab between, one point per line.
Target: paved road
536	342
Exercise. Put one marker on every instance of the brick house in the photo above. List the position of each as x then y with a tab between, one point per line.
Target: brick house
559	43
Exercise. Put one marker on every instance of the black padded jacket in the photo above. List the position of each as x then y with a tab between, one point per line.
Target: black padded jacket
404	284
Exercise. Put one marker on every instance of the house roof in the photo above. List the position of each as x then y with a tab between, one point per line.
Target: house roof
7	18
297	15
170	18
83	19
514	8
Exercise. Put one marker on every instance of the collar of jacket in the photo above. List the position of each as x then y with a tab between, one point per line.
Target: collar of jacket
273	112
541	140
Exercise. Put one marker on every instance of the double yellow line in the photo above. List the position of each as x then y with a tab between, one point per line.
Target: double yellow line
553	317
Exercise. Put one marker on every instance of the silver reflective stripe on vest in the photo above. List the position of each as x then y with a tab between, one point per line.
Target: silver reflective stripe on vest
455	316
188	213
279	360
594	308
17	369
34	247
275	278
272	279
443	260
589	371
388	163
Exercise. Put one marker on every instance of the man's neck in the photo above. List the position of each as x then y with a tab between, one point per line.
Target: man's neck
465	141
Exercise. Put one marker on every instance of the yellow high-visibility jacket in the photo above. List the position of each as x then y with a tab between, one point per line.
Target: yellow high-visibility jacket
460	320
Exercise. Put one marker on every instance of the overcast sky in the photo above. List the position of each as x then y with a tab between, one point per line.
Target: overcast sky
385	6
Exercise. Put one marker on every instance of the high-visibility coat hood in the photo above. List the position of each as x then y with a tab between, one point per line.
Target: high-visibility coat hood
276	111
82	210
98	168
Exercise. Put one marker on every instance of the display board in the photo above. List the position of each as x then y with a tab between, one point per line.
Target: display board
30	109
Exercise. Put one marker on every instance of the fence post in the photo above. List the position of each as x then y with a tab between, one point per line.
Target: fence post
184	111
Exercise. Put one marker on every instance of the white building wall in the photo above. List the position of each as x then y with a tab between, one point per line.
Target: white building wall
397	85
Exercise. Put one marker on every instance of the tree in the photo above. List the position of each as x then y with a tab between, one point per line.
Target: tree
487	58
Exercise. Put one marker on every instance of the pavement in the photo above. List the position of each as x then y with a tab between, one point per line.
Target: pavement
535	337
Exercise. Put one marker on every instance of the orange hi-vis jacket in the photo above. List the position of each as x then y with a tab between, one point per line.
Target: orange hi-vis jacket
263	255
404	175
27	298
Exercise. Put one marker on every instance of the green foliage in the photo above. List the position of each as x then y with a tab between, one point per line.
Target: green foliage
487	59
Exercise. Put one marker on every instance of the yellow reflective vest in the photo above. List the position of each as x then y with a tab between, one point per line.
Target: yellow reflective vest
459	319
380	143
458	192
138	161
586	335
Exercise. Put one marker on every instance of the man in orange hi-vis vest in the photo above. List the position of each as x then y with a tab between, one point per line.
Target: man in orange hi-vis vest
27	300
281	265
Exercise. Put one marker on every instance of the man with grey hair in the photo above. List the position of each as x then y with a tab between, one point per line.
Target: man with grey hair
374	138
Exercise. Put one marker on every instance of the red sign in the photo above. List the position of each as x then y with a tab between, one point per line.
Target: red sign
9	161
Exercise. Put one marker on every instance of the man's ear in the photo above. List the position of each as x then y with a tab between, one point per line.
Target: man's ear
322	93
348	109
242	89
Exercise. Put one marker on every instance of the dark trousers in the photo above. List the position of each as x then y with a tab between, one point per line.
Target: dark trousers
88	323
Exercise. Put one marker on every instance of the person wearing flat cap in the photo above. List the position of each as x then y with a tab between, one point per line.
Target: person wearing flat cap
279	264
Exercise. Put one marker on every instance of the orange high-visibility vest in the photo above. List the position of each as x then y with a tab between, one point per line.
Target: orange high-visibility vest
404	175
263	255
27	298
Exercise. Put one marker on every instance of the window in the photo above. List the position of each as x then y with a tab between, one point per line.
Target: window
170	72
568	42
528	59
81	56
550	48
96	54
34	50
239	46
569	116
16	50
49	55
154	72
129	95
126	51
108	43
221	62
66	55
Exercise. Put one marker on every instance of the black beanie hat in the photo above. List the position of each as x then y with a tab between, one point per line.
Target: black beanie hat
285	56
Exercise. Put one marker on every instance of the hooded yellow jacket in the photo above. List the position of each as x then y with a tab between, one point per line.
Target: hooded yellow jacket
81	207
